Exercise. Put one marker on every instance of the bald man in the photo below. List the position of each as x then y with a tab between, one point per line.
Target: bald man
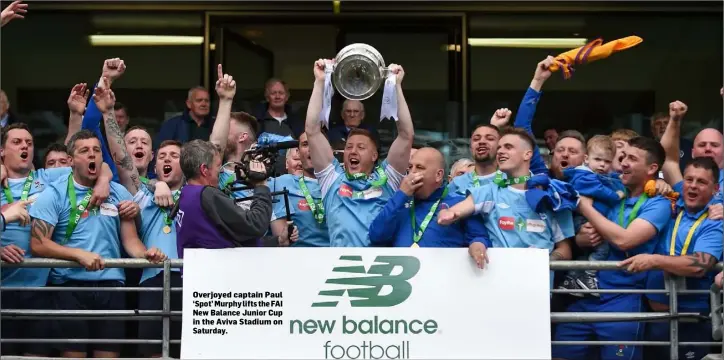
409	219
707	143
353	115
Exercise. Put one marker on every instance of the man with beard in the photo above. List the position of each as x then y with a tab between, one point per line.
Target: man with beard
570	152
157	229
484	141
630	229
305	202
26	185
690	247
65	227
353	196
707	143
405	219
509	220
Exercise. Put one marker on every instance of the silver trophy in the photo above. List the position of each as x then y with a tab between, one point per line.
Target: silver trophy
358	71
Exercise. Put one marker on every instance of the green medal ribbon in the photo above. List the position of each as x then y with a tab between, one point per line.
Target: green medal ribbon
24	194
476	182
381	177
417	235
503	182
144	179
634	212
315	205
166	219
76	210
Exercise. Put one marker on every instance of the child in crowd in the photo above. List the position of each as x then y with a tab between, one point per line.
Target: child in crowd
595	180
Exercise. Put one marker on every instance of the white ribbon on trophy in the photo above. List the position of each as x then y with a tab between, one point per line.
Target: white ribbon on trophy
328	94
389	98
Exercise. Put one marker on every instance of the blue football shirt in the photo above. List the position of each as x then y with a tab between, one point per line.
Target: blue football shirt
151	232
311	233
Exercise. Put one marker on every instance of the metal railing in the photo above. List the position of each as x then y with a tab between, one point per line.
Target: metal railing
165	315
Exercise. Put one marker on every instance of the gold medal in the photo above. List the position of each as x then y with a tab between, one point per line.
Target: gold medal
415	245
166	229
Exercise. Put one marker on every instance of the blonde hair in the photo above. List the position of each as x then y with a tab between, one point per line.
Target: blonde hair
602	143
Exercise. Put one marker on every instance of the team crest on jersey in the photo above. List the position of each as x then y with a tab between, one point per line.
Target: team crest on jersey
37	184
345	190
303	205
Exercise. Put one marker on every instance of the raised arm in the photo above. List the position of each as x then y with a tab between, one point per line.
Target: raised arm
399	154
670	141
127	173
226	89
76	104
319	148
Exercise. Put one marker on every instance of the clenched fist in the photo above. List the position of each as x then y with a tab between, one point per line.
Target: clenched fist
113	68
677	110
501	117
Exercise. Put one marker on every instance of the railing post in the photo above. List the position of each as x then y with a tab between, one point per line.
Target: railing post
166	337
674	321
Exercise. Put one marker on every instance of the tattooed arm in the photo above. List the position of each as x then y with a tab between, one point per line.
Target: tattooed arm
562	251
127	173
697	264
41	245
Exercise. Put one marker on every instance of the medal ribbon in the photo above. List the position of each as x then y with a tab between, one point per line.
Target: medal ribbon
166	218
143	179
381	177
689	235
416	236
504	182
24	194
634	211
76	210
314	205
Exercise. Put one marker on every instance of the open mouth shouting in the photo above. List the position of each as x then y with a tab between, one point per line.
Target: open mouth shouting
692	196
139	155
24	155
564	164
166	170
354	163
92	168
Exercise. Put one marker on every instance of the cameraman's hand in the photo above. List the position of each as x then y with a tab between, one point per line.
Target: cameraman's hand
257	167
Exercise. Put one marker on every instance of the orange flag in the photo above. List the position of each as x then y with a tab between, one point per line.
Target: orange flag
591	52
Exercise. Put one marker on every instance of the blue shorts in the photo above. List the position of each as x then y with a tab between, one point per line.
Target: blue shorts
91	329
688	332
603	331
153	329
26	329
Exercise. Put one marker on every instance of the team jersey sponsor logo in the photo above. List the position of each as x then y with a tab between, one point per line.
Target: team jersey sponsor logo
506	223
520	224
537	226
303	205
109	210
345	190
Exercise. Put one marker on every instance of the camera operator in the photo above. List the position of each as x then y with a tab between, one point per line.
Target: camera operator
207	218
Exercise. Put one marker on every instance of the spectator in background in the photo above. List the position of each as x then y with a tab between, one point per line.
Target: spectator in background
620	138
659	121
551	138
56	155
121	115
294	163
353	115
462	166
274	115
6	118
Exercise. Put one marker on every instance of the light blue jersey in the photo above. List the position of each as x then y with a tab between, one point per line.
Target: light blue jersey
511	223
311	233
152	226
98	229
464	182
18	235
351	205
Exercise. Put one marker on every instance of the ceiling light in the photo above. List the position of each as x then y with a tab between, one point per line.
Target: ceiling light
144	40
546	43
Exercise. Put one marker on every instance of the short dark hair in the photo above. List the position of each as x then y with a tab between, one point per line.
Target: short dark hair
521	133
573	134
489	126
659	115
247	120
84	134
57	147
363	132
705	163
655	153
119	105
13	126
170	143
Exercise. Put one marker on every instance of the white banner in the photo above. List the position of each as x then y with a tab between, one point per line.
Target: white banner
365	303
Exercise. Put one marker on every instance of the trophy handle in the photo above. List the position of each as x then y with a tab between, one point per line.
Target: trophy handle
385	71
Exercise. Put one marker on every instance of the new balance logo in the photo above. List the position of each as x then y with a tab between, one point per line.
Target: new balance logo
365	290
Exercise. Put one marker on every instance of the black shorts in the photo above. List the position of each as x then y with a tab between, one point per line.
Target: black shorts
153	329
90	329
26	329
